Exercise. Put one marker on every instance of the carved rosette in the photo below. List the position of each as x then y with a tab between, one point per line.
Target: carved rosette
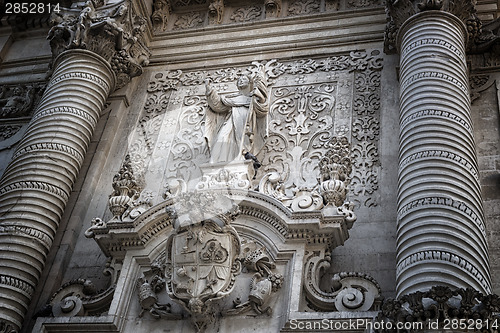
441	230
113	32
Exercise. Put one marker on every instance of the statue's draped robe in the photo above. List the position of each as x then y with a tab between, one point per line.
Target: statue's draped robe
235	124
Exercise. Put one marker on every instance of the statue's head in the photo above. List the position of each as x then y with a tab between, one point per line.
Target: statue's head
243	82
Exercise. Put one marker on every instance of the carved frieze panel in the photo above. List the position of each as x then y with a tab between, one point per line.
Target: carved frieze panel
184	14
312	102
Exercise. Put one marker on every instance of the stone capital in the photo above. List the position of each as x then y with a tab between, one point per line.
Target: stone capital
399	11
114	32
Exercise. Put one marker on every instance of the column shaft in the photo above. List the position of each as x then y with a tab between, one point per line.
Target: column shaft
441	233
37	183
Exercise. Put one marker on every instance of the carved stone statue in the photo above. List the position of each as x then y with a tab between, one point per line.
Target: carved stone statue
237	123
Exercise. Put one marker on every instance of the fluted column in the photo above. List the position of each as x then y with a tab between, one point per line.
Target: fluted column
441	234
37	183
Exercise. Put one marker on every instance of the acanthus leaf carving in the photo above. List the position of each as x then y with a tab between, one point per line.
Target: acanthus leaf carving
441	304
126	188
114	32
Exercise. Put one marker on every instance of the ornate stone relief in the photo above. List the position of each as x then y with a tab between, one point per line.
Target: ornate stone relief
247	13
19	101
300	7
112	31
273	8
442	303
216	11
189	20
347	291
161	14
196	14
304	118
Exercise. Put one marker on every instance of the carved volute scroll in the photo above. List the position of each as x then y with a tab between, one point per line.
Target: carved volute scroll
114	32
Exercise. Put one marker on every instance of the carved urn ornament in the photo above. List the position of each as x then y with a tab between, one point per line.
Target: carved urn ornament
335	168
126	189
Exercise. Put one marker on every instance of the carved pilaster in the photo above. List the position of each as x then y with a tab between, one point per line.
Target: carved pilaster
398	11
441	232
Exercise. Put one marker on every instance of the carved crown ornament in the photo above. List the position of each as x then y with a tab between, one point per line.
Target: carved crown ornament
480	37
114	32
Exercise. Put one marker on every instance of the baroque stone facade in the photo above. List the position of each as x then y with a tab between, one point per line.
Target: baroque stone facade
263	166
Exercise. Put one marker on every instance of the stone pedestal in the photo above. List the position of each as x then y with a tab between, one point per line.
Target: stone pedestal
37	183
235	175
441	233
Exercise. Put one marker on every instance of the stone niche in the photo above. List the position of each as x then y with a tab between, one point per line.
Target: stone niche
200	245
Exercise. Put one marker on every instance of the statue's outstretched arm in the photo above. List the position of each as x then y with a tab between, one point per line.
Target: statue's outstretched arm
214	100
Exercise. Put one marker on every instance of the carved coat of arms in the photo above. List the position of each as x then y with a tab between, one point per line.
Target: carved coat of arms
201	266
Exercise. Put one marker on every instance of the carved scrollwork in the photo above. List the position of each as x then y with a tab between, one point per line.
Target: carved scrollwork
80	298
346	292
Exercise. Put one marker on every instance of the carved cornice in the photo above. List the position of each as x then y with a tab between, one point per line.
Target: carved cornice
399	11
114	32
